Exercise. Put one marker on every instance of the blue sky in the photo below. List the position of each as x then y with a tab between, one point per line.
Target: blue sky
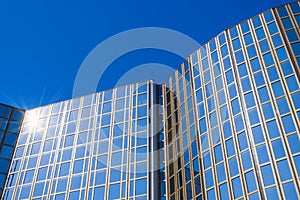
43	43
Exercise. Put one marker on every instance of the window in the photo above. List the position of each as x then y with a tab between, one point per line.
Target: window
239	123
100	177
253	116
218	153
42	174
78	166
213	119
210	194
214	57
230	147
246	159
227	129
246	85
237	188
284	170
268	111
276	40
287	23
260	33
273	75
292	84
80	151
202	125
288	124
217	70
282	106
76	182
38	189
243	143
296	47
141	186
224	51
224	113
278	149
114	191
232	91
272	193
235	106
206	160
86	112
64	169
259	79
242	70
199	96
35	148
273	129
264	46
25	192
115	174
236	44
207	76
268	59
249	98
255	65
29	176
290	191
221	174
258	134
292	36
233	166
205	64
224	191
256	22
251	181
67	154
294	143
272	28
267	175
221	97
239	56
69	140
219	83
262	154
245	27
116	158
209	180
222	38
286	68
208	90
281	53
263	94
227	63
32	162
99	193
277	89
233	32
248	39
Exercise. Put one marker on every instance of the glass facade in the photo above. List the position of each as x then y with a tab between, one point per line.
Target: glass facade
93	147
225	125
10	122
233	113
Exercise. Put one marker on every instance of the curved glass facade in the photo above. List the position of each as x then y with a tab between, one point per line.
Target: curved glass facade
225	125
233	113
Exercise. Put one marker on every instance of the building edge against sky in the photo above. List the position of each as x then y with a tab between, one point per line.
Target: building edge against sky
225	125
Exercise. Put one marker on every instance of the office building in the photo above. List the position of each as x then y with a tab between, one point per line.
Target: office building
225	125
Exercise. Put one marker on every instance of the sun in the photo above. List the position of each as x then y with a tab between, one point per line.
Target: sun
32	118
